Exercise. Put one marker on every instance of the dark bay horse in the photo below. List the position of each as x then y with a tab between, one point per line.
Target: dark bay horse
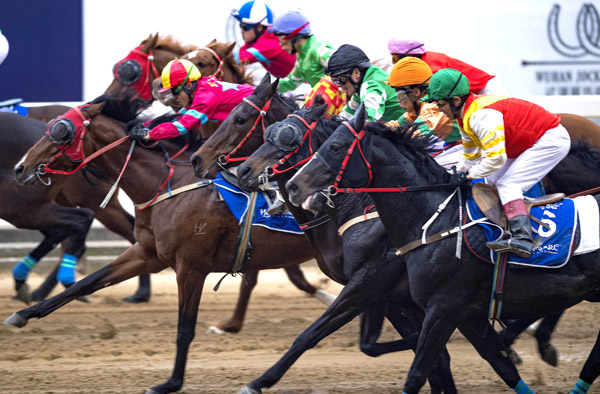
455	293
166	232
374	279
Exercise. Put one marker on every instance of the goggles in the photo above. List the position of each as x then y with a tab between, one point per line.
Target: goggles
402	93
246	26
441	102
341	80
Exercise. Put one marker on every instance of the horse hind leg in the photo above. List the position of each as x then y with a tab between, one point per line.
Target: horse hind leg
235	322
297	277
547	350
590	370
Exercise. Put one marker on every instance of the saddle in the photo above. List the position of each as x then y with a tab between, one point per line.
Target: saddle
487	199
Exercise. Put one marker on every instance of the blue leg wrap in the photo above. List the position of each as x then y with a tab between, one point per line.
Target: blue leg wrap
522	388
22	269
581	387
66	271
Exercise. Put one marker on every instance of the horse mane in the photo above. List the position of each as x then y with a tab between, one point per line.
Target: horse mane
239	70
124	107
585	154
417	148
171	44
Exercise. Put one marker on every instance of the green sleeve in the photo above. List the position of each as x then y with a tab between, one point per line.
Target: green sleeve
292	81
422	127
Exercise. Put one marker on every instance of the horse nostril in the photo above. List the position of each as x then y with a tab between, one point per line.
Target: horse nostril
19	170
197	163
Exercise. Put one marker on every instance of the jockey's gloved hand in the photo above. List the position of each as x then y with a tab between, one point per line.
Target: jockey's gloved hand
137	130
459	178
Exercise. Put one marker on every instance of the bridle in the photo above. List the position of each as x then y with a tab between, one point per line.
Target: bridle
275	168
223	160
146	61
219	72
73	149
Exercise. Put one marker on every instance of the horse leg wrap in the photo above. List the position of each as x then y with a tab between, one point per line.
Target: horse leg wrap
581	387
66	272
522	388
21	270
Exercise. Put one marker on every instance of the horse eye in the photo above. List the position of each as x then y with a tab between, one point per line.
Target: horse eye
240	120
201	65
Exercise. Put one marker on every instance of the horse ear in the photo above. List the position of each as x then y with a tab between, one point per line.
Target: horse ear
214	41
228	49
360	117
94	109
149	43
266	80
315	113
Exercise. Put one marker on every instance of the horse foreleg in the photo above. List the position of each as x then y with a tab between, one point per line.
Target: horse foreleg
357	295
134	261
547	350
189	285
489	345
590	370
235	322
297	277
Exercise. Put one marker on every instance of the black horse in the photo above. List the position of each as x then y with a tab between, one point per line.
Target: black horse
374	278
455	293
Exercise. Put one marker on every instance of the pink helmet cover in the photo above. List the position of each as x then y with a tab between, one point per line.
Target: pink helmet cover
406	47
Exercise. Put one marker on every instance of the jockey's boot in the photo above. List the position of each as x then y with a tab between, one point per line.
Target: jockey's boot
520	242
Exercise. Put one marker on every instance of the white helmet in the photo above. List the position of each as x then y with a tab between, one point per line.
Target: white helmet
3	47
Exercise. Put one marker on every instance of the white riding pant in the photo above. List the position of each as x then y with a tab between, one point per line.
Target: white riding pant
521	173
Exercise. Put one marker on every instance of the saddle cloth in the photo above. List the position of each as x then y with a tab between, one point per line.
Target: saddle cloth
17	109
553	246
238	200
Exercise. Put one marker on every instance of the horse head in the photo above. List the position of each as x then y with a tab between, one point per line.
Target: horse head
68	145
241	133
342	149
143	64
288	144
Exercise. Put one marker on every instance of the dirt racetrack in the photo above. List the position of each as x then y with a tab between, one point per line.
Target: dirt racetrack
110	346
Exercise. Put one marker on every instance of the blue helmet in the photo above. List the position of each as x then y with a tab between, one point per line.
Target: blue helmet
291	22
253	13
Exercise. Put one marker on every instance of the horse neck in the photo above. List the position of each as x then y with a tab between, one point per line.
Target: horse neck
145	172
403	213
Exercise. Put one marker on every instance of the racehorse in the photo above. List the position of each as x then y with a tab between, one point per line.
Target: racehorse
242	133
374	279
137	69
454	292
163	231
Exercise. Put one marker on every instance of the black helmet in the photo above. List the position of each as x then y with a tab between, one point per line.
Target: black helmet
345	59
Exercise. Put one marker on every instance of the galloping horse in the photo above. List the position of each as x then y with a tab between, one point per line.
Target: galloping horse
455	293
164	232
144	61
375	281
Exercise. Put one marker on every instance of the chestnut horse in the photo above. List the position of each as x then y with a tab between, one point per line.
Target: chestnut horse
164	232
72	223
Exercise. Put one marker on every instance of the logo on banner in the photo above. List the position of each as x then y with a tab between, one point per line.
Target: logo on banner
578	43
587	27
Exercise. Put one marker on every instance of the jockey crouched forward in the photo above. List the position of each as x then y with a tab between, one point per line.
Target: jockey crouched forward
202	99
522	143
410	78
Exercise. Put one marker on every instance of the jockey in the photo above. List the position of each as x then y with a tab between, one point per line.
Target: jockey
312	56
3	47
480	82
522	142
351	70
260	45
410	77
202	99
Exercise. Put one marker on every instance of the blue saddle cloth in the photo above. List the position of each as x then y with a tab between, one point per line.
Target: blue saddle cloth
552	247
237	200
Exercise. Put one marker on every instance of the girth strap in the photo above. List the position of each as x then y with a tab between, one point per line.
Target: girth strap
314	223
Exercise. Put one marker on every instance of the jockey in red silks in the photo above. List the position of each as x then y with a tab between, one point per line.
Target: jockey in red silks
480	82
202	99
261	45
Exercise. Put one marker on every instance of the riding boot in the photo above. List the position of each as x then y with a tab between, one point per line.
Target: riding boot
520	242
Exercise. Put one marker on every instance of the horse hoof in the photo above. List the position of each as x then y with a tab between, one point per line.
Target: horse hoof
16	320
324	297
86	298
248	390
150	391
23	294
549	354
214	330
136	299
514	357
